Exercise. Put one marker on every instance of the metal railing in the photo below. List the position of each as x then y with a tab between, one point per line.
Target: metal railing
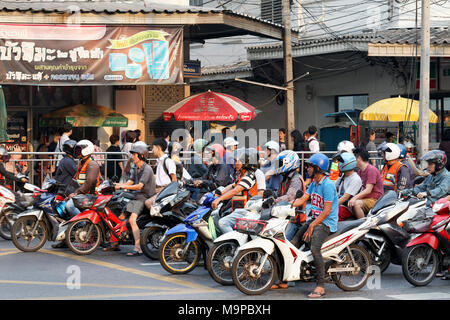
39	166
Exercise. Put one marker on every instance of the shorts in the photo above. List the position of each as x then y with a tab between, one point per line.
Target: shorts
344	213
368	204
135	206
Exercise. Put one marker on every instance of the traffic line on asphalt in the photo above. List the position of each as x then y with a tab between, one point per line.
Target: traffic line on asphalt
132	270
5	253
421	296
118	295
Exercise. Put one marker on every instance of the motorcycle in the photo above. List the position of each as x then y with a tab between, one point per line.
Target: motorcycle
35	226
182	245
429	251
170	208
259	262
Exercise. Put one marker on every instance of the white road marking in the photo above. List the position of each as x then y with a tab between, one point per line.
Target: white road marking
421	296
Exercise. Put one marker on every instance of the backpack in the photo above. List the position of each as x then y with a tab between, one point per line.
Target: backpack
179	169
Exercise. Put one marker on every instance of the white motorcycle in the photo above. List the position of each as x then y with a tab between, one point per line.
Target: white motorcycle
257	262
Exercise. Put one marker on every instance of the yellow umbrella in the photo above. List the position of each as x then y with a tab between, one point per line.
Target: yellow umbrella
394	110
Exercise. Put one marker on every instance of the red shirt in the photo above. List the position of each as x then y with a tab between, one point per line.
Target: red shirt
372	176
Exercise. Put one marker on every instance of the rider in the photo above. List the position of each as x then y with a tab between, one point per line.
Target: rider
404	160
324	209
67	166
195	166
143	183
343	146
348	185
394	168
437	184
230	144
273	179
5	174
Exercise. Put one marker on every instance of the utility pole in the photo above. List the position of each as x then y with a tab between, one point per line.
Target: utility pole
424	94
288	70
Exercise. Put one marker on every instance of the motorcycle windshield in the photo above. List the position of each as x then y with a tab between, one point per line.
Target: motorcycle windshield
167	191
388	199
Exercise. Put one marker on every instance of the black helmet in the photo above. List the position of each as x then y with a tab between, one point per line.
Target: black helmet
4	155
141	149
69	147
437	157
249	157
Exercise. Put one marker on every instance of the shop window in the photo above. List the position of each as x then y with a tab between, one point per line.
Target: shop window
359	102
18	96
58	97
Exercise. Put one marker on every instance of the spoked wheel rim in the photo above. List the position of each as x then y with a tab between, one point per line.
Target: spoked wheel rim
353	280
153	241
7	221
419	269
23	236
173	257
221	261
83	237
245	272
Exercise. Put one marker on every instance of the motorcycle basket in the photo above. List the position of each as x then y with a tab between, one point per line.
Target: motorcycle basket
84	202
249	226
417	225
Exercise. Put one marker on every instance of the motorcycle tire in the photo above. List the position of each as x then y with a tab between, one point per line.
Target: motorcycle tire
219	261
151	241
169	254
384	260
365	258
244	263
5	225
74	235
19	231
410	264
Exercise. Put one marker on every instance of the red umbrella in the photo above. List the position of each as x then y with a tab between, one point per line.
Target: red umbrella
210	106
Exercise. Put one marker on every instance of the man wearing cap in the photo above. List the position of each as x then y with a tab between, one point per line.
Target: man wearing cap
230	145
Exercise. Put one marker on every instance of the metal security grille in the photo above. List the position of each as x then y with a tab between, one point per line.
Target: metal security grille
197	3
271	11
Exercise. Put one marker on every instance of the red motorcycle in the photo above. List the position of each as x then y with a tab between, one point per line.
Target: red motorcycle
95	223
429	252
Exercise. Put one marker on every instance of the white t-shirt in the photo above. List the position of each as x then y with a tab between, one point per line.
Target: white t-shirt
351	185
162	179
59	145
313	145
249	180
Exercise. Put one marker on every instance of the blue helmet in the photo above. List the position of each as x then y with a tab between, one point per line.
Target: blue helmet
347	162
402	151
319	160
286	161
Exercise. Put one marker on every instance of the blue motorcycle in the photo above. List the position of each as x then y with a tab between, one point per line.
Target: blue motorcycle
182	246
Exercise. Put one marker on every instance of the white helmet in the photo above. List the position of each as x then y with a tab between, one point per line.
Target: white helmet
230	141
345	146
272	145
392	151
83	148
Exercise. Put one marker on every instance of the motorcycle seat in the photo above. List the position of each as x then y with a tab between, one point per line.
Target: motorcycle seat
345	226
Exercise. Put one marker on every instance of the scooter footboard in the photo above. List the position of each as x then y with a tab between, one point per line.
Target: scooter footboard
261	243
239	237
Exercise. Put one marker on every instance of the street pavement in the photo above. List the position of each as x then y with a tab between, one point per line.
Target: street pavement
60	274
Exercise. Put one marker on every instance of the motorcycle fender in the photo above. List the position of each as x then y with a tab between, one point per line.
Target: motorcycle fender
35	213
155	224
425	238
261	243
62	232
191	234
53	231
239	237
88	214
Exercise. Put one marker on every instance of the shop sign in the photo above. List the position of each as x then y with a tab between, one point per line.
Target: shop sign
90	55
192	69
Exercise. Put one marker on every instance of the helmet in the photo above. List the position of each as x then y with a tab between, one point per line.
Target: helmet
345	146
249	157
83	148
392	151
402	151
141	149
69	146
437	157
199	145
174	148
4	155
347	162
408	144
273	145
230	141
218	149
286	161
320	161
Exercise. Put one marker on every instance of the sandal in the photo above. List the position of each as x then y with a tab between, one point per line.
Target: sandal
112	248
134	254
280	285
317	295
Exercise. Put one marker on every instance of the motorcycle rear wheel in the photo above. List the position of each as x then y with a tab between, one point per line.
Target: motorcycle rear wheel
219	261
76	237
171	257
7	220
413	264
151	241
21	232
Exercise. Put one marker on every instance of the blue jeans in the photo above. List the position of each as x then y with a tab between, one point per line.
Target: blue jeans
291	230
71	209
226	223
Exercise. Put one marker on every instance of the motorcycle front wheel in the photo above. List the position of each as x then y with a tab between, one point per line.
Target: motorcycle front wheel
151	241
420	264
219	261
7	220
83	237
249	276
178	257
28	234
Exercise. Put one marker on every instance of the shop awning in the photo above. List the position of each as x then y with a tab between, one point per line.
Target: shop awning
82	115
346	113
